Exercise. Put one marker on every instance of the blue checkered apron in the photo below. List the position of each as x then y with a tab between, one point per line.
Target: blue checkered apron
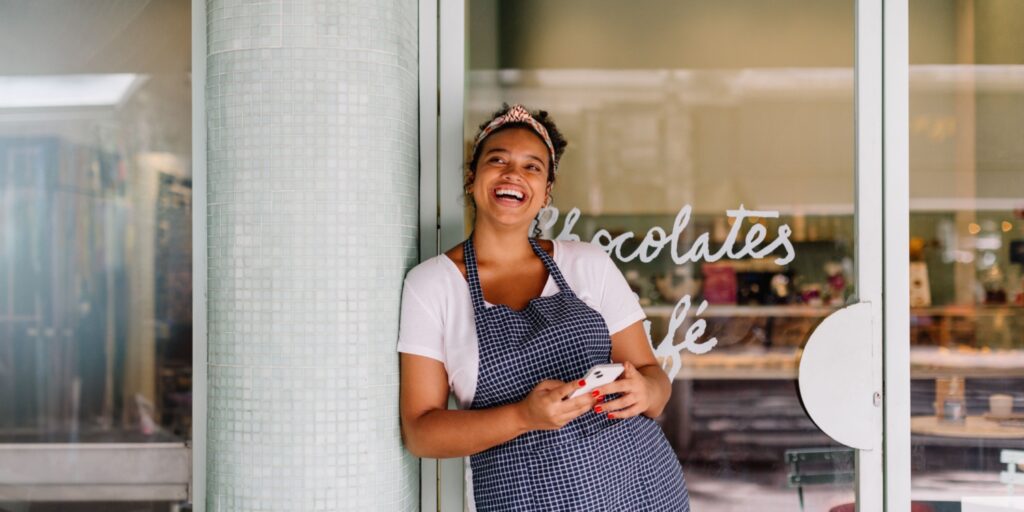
592	463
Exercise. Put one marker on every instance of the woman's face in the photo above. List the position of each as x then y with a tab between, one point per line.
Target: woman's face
510	185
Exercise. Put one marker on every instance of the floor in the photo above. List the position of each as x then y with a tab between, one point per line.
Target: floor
766	493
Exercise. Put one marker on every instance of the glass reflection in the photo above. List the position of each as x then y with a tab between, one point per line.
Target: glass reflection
95	211
966	227
707	109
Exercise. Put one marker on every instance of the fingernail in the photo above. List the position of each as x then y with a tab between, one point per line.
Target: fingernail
596	393
597	409
582	383
611	416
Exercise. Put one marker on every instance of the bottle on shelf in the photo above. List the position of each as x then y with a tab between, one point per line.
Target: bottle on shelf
950	401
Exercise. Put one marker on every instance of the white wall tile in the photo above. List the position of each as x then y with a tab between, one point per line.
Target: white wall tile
312	191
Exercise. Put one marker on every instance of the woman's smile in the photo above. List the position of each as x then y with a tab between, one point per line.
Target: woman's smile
510	195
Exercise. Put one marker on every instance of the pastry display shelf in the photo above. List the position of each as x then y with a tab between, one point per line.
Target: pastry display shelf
968	310
731	310
805	311
782	364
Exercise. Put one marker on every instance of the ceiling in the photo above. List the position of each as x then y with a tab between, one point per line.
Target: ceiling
95	36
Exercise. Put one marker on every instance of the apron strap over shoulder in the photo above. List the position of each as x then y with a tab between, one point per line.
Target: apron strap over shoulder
476	292
563	285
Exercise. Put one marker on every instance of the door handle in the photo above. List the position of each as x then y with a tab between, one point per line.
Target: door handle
836	378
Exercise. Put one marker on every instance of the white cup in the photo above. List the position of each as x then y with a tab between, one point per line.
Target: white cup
1000	406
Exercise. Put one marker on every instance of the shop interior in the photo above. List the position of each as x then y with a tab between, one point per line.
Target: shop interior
721	106
95	176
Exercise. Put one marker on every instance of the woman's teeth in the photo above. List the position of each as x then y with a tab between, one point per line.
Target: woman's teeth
509	193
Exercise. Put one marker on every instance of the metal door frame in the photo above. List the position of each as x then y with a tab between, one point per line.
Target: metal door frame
882	220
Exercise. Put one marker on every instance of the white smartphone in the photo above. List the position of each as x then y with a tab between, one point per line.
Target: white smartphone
599	376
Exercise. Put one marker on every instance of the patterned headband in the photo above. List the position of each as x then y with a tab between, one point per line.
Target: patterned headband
518	114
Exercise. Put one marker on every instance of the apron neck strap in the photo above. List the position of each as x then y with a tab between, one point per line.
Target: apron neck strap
476	293
549	263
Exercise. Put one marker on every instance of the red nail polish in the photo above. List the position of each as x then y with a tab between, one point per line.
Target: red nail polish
582	383
596	393
597	409
611	416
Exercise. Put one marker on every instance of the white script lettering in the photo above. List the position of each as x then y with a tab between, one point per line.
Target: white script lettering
657	238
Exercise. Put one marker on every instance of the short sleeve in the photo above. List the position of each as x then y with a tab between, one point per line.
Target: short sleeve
619	306
420	330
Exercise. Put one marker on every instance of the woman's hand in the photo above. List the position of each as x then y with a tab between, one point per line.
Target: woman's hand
635	394
545	409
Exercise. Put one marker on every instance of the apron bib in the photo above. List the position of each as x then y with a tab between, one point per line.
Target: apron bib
592	463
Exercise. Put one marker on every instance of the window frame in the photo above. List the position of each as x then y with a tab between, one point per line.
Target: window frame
882	213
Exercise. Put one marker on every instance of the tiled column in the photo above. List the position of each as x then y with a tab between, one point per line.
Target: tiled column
312	179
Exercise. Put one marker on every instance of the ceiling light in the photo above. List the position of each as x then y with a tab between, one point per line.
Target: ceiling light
42	91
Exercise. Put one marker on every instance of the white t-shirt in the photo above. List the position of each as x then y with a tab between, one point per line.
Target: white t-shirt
437	313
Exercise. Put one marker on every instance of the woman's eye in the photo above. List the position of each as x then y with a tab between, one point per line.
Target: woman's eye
533	168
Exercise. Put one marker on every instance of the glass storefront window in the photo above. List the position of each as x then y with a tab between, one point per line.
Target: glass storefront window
95	258
693	115
967	250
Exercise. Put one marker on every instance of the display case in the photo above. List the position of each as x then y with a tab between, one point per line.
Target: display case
716	413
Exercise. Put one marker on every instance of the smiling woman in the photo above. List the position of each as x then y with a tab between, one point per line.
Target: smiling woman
510	324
